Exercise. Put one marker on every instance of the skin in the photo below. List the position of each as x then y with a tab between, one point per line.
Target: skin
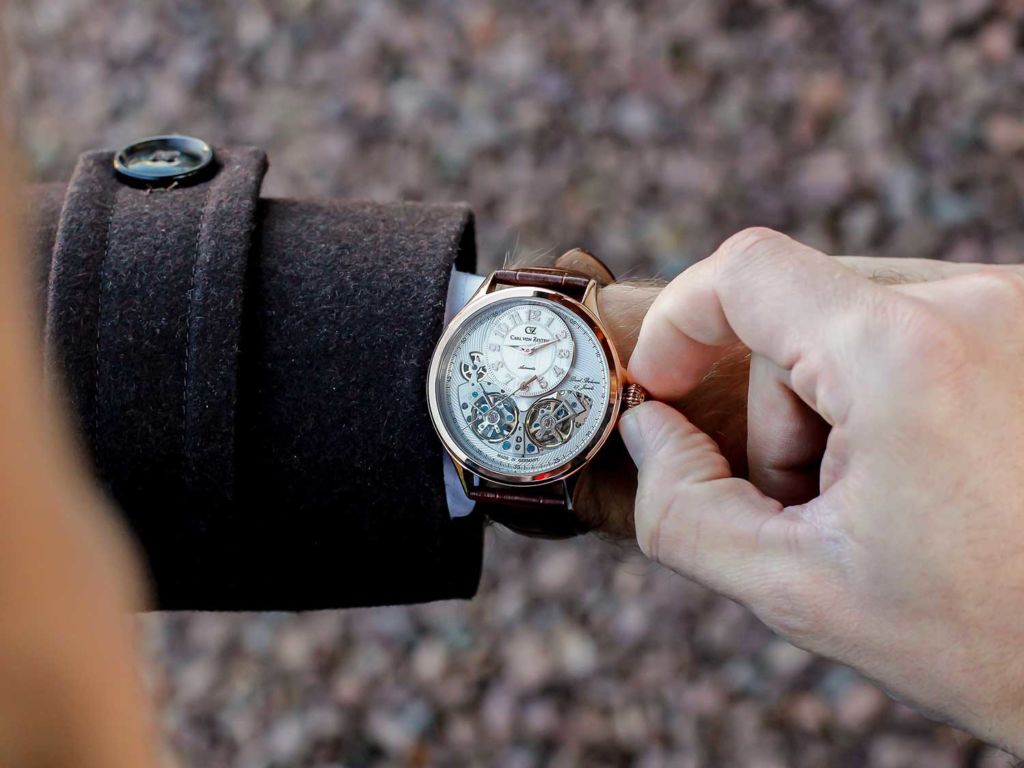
882	522
718	404
69	691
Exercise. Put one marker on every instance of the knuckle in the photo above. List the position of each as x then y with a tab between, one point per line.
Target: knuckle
998	289
750	244
690	451
927	340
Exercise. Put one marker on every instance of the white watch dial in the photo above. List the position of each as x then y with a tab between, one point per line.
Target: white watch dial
523	386
529	350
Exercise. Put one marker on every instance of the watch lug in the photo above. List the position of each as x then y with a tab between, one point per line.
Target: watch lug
590	298
485	287
464	477
569	485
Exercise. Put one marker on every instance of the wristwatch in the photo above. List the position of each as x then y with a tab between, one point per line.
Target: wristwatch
524	388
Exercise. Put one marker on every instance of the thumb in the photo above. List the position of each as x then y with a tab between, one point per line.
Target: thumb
692	514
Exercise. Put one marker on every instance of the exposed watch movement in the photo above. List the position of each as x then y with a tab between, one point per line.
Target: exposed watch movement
524	386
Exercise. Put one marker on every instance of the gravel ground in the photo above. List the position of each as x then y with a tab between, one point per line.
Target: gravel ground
646	131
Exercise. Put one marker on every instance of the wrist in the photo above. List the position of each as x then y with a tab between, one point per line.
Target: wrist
623	307
604	499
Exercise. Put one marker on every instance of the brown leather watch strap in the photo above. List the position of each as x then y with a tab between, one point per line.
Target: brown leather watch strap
585	263
572	283
541	512
515	498
544	511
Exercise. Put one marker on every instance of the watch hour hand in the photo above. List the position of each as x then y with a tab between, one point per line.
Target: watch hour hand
527	383
521	387
531	350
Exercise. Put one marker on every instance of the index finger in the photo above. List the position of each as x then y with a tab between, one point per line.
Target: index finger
760	288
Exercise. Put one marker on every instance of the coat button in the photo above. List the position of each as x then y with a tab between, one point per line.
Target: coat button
163	160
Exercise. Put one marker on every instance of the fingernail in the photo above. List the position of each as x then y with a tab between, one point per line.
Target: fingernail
633	435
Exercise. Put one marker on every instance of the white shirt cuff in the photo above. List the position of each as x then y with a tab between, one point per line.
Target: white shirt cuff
460	288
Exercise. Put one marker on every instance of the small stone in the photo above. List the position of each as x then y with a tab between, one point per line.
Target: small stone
860	705
389	731
636	117
461	732
1005	134
254	27
528	659
823	94
823	179
294	649
859	225
541	718
892	751
705	698
785	660
998	41
429	661
591	726
631	726
806	711
577	654
632	621
498	712
558	571
286	739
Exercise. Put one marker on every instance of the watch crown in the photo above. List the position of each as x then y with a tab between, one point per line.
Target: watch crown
633	395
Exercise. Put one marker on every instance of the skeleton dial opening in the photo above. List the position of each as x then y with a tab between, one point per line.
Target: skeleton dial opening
524	386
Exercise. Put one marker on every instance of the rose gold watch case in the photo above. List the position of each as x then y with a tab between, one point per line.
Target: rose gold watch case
587	311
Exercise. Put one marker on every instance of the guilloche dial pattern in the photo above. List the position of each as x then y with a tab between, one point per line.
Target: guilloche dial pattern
524	386
529	350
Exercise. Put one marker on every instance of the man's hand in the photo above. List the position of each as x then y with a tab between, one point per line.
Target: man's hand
786	469
905	558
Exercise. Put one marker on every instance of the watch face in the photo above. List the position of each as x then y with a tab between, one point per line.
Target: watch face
523	386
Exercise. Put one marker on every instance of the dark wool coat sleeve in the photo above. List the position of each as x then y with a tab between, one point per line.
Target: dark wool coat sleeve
248	377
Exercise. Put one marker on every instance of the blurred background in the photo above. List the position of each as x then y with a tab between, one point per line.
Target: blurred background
646	132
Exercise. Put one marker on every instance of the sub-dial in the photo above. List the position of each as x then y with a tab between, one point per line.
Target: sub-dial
493	416
551	421
474	368
529	350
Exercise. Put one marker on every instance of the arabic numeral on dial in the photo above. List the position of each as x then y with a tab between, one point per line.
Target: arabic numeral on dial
564	353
